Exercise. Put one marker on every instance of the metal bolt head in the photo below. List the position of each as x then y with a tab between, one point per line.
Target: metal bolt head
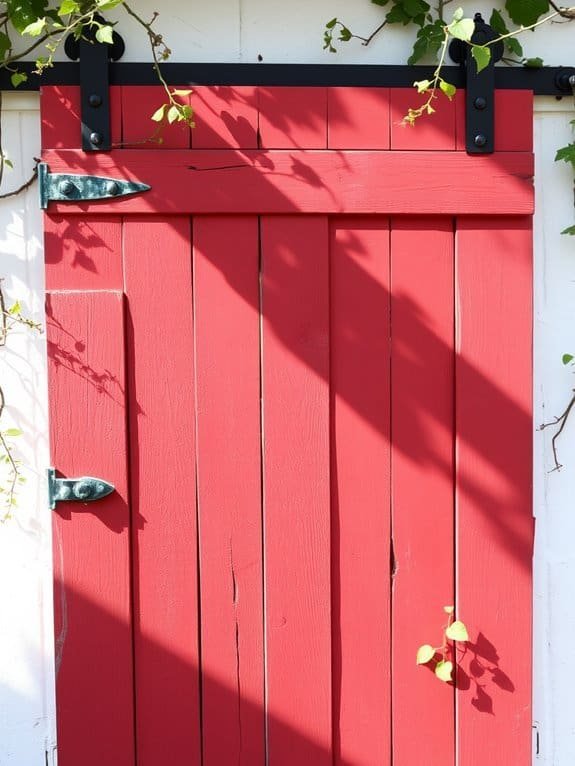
66	187
112	188
480	140
95	100
82	490
96	139
480	103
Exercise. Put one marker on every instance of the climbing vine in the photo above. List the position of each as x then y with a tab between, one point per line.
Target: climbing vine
10	317
443	658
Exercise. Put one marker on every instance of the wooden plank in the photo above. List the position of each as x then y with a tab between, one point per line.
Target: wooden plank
292	118
91	542
422	367
139	102
60	116
513	120
162	447
494	514
360	490
226	306
358	118
296	490
221	182
226	117
432	132
83	254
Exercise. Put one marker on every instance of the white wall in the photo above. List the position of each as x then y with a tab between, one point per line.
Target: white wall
240	30
27	728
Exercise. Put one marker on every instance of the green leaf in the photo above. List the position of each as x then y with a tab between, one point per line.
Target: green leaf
25	12
415	8
12	432
106	5
425	653
457	631
380	2
497	23
159	114
397	15
15	308
566	358
569	230
443	670
566	153
534	63
35	28
8	163
331	24
428	42
482	56
345	34
462	29
105	34
17	78
422	85
5	44
181	93
173	114
526	12
67	7
514	46
447	88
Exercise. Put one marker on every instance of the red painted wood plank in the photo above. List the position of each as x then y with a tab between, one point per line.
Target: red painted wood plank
422	366
435	131
61	116
139	102
360	490
162	444
494	512
225	117
292	118
91	542
358	118
296	490
83	254
513	120
311	182
226	306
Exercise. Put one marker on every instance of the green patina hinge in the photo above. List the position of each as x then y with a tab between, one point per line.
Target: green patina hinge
67	187
82	490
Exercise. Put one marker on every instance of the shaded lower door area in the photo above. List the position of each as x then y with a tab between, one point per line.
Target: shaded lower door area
318	425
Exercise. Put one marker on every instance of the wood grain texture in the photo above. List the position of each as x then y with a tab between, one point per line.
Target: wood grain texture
163	456
296	489
435	132
249	181
422	367
225	117
83	254
360	490
292	118
226	306
139	102
91	542
494	513
358	118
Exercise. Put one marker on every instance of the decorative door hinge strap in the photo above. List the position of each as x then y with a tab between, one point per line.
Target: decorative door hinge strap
82	490
94	84
67	187
480	88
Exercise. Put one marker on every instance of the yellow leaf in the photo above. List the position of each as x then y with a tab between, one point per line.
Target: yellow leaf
443	670
457	631
158	115
449	609
425	653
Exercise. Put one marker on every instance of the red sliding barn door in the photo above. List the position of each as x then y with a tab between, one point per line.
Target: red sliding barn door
304	360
